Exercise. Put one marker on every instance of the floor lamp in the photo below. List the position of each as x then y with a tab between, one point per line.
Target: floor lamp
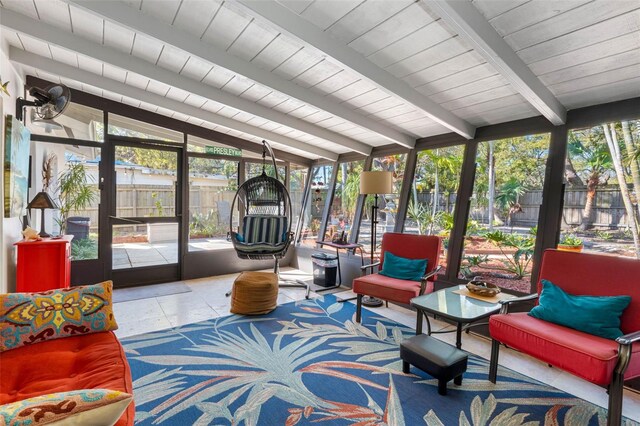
375	183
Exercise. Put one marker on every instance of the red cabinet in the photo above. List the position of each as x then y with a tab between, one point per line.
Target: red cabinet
44	265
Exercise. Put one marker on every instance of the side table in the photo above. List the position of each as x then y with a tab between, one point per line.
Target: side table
348	247
460	309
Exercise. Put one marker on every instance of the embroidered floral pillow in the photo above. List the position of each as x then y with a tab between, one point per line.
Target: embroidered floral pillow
27	318
80	407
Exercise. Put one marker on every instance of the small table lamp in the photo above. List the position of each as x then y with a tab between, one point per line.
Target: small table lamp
375	183
42	201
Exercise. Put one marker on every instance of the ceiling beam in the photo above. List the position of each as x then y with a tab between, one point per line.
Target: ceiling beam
466	20
294	25
139	22
69	41
85	77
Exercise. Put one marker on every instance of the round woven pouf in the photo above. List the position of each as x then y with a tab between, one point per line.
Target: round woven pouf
254	293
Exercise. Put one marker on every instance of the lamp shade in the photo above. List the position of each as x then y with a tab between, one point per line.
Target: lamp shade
42	200
376	183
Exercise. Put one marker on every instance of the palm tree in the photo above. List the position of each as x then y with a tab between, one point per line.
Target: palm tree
614	148
586	147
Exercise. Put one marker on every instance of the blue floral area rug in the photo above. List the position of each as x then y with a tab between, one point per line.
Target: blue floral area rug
308	362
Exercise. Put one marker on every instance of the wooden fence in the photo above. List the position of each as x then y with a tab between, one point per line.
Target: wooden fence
159	200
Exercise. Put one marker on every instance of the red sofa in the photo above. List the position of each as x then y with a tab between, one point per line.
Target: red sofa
601	361
90	361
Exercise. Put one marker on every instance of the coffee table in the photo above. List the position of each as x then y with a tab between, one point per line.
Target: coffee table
453	306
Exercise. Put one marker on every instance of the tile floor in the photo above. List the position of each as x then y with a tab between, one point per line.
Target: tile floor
207	300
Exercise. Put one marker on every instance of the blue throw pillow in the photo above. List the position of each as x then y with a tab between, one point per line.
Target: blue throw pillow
402	268
240	238
597	315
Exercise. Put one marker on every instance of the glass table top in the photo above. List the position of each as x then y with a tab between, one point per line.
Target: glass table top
455	306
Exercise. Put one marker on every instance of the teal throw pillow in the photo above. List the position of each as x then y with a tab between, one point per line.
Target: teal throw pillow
240	238
402	268
597	315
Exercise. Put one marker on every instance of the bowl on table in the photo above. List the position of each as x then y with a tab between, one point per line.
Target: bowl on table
482	288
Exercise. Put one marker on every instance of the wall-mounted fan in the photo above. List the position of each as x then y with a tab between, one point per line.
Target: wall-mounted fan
49	102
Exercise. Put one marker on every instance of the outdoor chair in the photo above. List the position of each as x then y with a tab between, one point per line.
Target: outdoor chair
396	290
602	361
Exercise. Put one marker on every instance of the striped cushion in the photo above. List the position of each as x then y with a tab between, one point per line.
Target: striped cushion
260	248
264	229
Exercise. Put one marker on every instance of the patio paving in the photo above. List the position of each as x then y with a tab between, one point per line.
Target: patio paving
134	255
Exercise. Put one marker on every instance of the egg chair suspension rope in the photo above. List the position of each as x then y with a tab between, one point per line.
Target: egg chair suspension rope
265	231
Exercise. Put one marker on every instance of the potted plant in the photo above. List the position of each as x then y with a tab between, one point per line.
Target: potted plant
570	242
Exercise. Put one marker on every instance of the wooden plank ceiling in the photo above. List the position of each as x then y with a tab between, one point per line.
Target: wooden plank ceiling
585	52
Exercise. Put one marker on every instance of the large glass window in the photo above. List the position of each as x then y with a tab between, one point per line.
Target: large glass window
312	218
77	122
297	181
433	192
501	230
69	174
212	186
343	207
387	203
255	169
128	127
602	173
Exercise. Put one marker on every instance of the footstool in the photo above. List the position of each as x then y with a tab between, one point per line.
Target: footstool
434	357
254	293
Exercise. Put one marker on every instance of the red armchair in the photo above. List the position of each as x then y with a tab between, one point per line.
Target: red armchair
402	291
601	361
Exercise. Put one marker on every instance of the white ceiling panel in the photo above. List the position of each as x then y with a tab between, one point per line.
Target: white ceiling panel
300	62
288	106
227	25
196	68
367	98
481	97
64	56
364	17
323	13
238	85
86	25
195	100
35	45
426	37
614	27
137	80
195	16
163	10
218	77
118	37
352	90
597	66
114	73
600	79
11	37
466	61
569	22
468	89
468	76
252	41
430	57
158	87
89	64
317	74
27	8
405	22
493	8
336	82
256	92
629	43
607	93
55	12
173	59
278	51
147	48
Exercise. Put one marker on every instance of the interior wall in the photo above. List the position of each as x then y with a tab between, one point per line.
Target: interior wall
10	227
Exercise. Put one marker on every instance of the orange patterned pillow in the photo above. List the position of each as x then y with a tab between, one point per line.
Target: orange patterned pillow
80	407
27	318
